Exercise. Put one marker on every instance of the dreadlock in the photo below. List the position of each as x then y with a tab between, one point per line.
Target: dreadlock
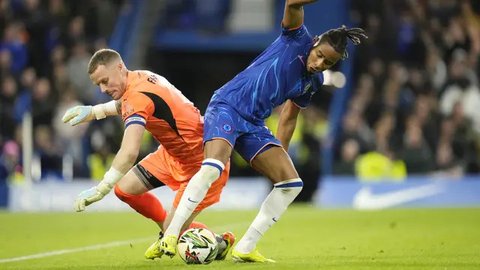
337	38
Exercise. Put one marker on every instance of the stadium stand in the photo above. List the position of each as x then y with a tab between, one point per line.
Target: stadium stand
410	103
416	92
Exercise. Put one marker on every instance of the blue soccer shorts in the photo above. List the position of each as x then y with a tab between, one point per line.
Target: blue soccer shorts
247	138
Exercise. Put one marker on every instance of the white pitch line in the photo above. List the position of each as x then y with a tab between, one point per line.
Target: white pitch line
93	247
73	250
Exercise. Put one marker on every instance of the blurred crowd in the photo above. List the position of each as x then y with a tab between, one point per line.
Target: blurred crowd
414	106
45	47
412	109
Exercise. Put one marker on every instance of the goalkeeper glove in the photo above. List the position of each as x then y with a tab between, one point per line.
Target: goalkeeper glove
82	114
91	195
78	114
97	193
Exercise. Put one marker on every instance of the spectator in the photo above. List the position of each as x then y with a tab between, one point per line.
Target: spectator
14	42
43	103
349	152
432	74
47	153
8	94
70	138
76	66
10	168
48	39
415	151
23	103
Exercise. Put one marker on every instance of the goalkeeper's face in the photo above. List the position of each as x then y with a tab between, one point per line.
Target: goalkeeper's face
111	79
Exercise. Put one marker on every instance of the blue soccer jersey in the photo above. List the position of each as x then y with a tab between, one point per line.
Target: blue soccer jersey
278	74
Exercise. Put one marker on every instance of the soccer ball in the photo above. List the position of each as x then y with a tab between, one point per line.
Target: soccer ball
197	246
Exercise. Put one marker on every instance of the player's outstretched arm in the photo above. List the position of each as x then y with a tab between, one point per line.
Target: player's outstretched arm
123	161
293	15
82	114
287	123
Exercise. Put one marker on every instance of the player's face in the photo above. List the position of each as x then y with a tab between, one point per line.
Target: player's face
111	79
322	58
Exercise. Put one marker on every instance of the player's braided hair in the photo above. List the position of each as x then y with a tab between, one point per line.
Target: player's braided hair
338	37
102	57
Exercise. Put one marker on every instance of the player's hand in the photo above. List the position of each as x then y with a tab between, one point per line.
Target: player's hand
78	114
91	195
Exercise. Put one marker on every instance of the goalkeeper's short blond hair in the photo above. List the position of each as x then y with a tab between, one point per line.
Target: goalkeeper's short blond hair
102	57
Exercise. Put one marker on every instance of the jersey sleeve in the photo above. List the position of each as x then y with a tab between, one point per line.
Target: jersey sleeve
305	99
295	33
136	109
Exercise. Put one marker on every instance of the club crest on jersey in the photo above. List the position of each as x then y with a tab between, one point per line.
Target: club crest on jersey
127	109
227	128
307	87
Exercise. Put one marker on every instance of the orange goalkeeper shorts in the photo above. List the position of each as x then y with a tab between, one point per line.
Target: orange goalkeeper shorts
176	175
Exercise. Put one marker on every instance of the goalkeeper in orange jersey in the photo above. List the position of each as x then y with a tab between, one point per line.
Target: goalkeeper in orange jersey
148	101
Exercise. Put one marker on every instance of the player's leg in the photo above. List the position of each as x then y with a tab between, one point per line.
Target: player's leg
212	197
220	133
154	250
189	224
273	162
133	191
225	240
198	193
154	171
217	153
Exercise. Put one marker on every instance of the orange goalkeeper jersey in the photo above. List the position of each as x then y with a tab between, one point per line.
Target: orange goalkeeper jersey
150	100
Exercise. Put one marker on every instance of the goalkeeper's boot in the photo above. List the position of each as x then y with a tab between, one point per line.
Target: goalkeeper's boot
253	256
168	245
228	238
154	250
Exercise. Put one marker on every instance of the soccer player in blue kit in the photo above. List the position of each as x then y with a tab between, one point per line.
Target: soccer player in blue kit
288	72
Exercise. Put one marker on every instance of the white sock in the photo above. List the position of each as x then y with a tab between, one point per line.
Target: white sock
195	192
281	196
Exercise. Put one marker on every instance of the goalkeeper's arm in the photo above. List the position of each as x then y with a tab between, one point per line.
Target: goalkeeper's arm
123	161
82	114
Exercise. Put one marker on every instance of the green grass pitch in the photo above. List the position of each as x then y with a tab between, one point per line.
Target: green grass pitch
305	238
